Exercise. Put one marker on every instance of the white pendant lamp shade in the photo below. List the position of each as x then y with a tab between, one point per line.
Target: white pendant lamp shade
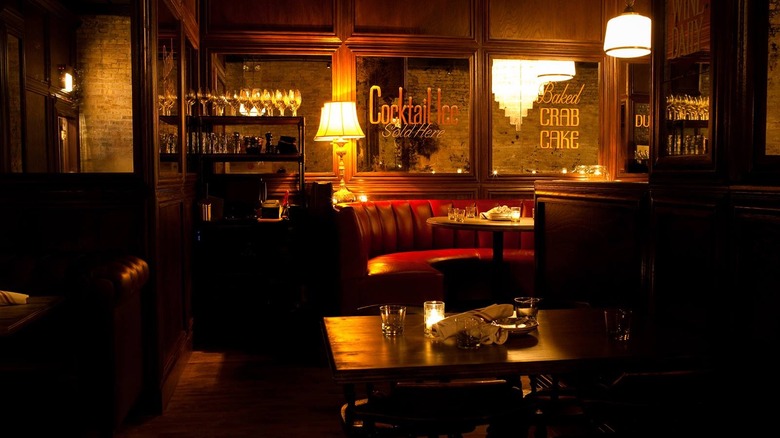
555	71
628	36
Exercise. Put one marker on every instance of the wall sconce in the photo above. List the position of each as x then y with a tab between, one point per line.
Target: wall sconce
338	125
628	35
66	78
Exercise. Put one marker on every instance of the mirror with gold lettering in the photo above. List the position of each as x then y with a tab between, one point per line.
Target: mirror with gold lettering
415	113
545	117
684	45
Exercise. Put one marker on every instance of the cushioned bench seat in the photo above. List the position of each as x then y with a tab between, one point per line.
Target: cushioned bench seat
388	253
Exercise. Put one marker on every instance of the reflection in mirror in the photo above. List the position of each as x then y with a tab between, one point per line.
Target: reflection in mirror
15	104
168	65
415	114
686	82
772	82
543	126
243	78
103	94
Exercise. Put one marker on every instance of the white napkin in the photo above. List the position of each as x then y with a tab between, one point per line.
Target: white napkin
492	334
498	211
11	298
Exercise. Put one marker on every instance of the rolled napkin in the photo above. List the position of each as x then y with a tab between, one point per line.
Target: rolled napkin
501	210
446	327
12	298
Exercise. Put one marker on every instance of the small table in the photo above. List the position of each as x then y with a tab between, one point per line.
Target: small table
479	224
567	340
15	317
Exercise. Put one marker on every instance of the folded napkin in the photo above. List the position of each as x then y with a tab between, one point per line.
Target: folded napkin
492	334
11	298
498	211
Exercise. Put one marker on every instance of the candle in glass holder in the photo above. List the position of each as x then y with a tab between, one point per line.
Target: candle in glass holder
515	213
433	312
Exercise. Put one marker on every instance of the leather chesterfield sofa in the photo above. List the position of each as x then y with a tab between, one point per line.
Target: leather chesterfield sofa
388	253
82	369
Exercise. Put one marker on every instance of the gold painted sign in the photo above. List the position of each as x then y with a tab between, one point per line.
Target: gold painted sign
556	122
687	27
407	119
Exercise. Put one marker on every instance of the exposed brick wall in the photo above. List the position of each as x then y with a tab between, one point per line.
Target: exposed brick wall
105	90
313	78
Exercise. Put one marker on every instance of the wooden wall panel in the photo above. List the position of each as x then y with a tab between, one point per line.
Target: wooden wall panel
451	18
590	243
690	237
755	259
275	15
546	20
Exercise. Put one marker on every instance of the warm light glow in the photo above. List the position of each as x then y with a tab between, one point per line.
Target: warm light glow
68	85
338	125
433	312
628	35
363	198
516	83
66	78
555	71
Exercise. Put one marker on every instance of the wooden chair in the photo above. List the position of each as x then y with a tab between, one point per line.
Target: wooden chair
433	409
440	407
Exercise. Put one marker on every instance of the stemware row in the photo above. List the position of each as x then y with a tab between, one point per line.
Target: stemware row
245	102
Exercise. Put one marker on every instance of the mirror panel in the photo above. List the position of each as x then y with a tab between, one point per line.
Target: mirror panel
310	74
686	84
772	80
415	113
540	126
169	65
13	57
103	93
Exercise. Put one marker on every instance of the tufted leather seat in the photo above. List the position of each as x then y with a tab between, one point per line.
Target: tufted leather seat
102	334
388	253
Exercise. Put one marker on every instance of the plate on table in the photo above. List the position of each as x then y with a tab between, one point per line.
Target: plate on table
497	216
516	326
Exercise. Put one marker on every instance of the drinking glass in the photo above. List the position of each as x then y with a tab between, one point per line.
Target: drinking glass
393	319
280	102
295	101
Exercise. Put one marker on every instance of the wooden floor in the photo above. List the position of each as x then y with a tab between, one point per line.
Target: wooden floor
235	392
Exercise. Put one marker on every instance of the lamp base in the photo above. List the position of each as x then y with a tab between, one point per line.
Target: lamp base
343	195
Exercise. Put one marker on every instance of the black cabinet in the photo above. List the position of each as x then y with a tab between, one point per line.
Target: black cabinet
246	280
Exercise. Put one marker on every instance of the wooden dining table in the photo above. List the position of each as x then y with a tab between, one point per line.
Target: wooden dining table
497	227
566	341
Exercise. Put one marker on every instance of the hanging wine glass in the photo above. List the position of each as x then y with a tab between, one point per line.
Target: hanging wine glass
280	104
295	101
203	98
232	99
191	99
268	102
257	102
244	101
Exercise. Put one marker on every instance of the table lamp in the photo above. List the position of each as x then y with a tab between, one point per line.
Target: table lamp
339	124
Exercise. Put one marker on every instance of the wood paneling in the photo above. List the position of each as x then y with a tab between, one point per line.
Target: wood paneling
450	18
590	243
270	16
546	20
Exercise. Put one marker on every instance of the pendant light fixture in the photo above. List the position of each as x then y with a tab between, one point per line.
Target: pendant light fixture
628	35
555	71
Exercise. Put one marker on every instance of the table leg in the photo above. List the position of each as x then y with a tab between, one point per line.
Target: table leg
348	413
498	247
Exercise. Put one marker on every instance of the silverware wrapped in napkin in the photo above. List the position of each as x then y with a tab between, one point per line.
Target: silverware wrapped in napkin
12	298
492	333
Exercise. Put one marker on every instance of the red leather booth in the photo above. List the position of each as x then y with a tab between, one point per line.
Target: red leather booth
388	253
